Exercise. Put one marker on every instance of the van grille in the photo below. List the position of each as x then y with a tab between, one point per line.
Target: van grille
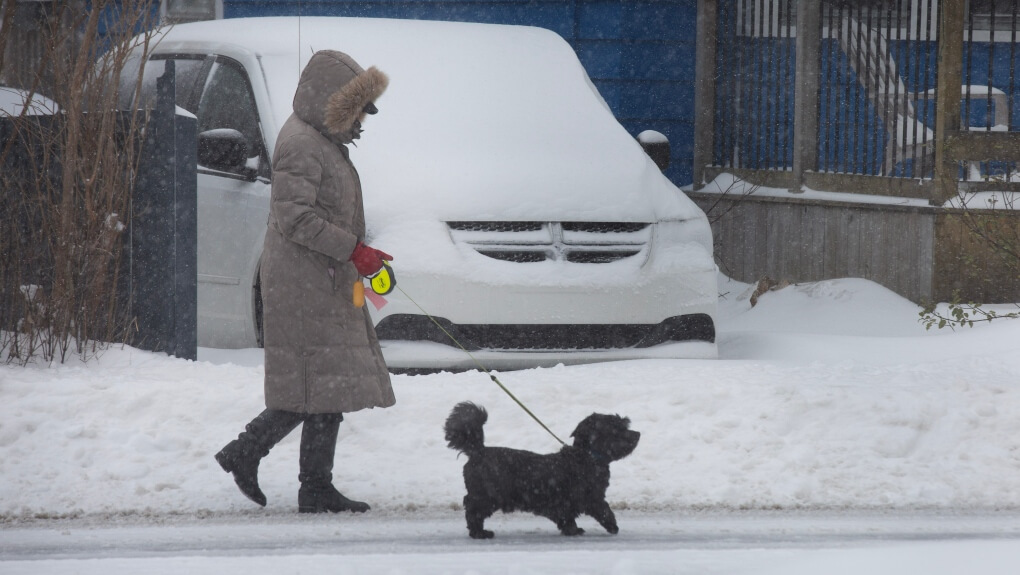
539	337
574	242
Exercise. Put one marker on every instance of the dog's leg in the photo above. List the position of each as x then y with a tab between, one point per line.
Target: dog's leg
605	516
476	512
569	526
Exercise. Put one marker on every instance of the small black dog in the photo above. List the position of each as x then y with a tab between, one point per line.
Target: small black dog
559	486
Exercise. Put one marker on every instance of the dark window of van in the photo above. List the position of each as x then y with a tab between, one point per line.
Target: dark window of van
227	102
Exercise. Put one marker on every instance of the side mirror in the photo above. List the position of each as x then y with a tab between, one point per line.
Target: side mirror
656	145
223	149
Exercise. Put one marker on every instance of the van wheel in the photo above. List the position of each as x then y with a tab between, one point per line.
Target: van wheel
257	301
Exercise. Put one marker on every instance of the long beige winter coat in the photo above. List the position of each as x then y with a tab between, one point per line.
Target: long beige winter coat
322	355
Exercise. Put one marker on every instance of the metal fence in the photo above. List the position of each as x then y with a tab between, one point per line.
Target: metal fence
150	299
877	72
872	70
754	99
990	72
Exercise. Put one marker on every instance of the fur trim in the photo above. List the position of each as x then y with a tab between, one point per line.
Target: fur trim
347	104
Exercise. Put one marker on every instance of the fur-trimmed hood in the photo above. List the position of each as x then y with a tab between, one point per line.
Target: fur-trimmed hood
333	91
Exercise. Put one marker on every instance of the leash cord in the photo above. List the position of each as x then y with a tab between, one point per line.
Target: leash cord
481	367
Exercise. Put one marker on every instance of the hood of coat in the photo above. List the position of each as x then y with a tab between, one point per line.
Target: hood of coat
333	91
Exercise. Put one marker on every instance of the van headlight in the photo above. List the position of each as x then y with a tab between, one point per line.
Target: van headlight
670	233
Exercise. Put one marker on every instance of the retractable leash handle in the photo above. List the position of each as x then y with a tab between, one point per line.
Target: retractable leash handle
382	282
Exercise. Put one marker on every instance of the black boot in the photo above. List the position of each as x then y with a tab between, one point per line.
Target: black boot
318	446
241	456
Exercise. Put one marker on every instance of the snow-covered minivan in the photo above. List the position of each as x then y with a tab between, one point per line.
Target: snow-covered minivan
521	215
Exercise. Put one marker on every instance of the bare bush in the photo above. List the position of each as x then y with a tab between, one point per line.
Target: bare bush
992	222
66	184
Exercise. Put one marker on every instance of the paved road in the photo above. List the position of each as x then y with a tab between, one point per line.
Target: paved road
436	542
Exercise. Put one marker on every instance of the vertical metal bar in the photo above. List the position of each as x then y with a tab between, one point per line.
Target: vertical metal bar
926	102
726	153
788	87
847	124
835	87
830	85
967	67
825	107
857	99
1012	85
720	121
752	83
986	166
1012	65
738	89
770	82
902	134
777	48
763	89
745	106
777	111
916	42
869	61
892	104
991	69
760	91
730	72
938	72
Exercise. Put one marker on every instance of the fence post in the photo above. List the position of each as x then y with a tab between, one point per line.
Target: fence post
805	97
185	337
704	89
947	98
164	280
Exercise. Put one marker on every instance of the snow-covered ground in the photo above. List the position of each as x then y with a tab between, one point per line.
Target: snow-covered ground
827	397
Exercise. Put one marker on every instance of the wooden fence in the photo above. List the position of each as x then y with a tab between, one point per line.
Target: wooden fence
923	253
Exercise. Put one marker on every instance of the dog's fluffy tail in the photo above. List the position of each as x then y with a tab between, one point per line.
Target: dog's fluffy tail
464	428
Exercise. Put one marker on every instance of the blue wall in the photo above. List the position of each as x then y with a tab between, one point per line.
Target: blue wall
640	54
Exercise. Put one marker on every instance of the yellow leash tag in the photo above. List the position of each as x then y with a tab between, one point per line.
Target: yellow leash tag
359	294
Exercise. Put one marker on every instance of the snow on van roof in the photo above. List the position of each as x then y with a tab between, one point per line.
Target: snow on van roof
480	121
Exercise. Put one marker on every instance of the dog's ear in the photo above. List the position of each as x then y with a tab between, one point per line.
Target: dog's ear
584	433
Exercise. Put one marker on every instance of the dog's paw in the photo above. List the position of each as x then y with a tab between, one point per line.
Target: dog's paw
572	531
482	534
613	529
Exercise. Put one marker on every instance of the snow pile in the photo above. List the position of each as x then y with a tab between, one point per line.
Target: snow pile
825	395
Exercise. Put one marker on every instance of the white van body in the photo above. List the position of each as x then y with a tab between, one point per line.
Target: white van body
521	215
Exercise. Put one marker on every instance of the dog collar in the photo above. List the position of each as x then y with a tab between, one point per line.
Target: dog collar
598	457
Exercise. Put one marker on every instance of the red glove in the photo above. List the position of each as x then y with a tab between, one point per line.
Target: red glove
368	260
